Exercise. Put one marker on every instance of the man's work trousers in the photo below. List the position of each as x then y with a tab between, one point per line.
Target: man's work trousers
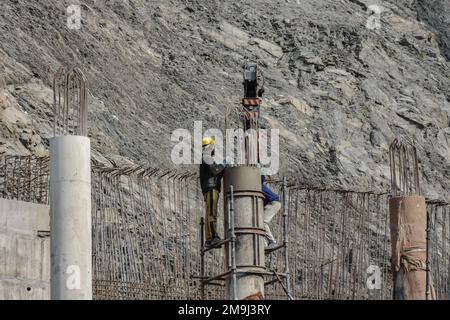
270	210
211	199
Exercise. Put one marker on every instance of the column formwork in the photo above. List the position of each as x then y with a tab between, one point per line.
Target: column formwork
245	255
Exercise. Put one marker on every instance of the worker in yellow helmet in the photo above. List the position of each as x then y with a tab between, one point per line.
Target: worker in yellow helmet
210	180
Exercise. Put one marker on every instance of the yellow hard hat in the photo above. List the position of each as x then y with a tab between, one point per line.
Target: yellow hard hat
207	141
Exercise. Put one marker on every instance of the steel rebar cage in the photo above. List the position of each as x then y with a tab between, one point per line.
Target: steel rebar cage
404	167
70	102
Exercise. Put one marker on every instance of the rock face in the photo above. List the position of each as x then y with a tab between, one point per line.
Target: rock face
437	15
340	83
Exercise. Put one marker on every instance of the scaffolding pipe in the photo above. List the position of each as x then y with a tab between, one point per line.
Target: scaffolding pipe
202	257
70	206
233	244
427	285
285	238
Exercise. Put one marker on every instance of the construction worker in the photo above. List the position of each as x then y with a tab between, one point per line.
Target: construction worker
210	180
272	205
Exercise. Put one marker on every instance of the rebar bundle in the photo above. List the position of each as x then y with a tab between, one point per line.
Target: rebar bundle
439	247
404	167
24	178
143	230
70	102
334	237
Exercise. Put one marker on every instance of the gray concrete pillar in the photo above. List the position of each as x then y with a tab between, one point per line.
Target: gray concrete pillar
70	207
248	281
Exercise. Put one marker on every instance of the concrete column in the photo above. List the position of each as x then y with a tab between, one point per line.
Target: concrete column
249	231
408	218
70	207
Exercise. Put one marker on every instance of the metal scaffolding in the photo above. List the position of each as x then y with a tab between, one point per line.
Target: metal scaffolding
232	271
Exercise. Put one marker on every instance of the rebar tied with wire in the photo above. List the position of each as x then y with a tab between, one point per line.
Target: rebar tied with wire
70	101
146	239
404	167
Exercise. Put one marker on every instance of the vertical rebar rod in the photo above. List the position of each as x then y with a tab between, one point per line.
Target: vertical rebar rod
228	230
202	259
233	244
285	238
427	263
404	167
70	99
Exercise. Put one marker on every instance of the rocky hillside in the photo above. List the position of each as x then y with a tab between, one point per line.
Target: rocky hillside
338	86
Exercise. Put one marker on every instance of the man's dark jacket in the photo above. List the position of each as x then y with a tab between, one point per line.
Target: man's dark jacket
210	173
